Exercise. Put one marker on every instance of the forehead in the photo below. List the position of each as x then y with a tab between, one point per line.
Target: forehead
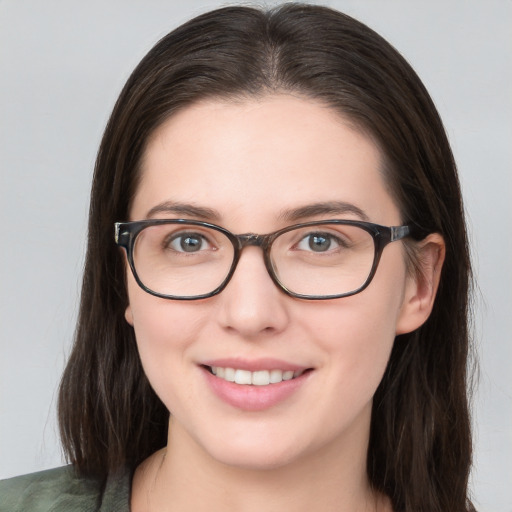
260	155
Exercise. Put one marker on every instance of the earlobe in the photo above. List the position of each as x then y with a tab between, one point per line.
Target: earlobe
128	315
421	288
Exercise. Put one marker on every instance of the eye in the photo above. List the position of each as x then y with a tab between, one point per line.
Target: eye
187	242
319	242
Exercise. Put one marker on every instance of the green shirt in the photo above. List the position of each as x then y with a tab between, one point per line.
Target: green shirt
61	490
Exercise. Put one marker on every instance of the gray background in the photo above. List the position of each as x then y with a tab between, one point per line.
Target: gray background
62	64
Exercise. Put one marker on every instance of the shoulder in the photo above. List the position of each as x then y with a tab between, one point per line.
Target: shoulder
61	489
51	490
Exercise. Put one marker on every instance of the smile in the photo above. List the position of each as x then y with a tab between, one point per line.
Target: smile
257	384
257	378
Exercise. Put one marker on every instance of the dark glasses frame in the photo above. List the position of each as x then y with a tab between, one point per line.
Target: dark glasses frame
126	234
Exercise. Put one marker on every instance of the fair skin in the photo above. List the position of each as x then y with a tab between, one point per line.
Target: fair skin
249	163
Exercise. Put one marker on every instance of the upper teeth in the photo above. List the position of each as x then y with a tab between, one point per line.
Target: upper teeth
259	378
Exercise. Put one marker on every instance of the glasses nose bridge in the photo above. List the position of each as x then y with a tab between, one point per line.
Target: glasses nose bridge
255	240
252	239
248	239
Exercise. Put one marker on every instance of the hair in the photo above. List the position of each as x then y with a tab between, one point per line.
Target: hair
420	444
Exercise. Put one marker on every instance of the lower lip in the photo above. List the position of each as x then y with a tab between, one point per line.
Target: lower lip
254	398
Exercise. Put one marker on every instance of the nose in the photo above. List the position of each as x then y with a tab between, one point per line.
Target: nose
251	304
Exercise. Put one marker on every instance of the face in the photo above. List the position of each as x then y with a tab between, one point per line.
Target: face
249	166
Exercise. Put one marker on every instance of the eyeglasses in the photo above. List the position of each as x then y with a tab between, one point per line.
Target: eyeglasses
188	259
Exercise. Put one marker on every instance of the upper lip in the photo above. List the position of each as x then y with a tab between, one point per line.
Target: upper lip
254	365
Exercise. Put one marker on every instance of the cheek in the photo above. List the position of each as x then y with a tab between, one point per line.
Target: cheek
158	322
164	330
358	333
357	340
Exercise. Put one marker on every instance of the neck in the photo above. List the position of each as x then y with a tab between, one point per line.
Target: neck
184	478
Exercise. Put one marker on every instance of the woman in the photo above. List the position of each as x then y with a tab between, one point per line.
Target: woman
321	367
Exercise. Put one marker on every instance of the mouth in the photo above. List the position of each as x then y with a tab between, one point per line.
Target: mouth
256	378
257	384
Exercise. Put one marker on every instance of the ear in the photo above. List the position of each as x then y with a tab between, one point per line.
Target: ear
128	315
421	286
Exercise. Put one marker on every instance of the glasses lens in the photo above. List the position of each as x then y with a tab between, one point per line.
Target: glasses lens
323	260
182	260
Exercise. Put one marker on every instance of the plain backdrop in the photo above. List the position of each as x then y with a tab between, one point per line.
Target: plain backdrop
62	65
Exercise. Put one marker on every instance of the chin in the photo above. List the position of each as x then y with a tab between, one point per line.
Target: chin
257	452
255	459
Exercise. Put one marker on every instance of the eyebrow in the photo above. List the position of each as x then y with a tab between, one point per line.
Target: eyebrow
185	209
291	215
324	208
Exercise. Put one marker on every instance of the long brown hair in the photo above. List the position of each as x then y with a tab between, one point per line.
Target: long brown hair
420	445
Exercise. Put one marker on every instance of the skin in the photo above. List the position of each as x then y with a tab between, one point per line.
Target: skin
250	161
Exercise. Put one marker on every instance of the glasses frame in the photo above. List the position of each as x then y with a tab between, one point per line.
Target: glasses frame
126	235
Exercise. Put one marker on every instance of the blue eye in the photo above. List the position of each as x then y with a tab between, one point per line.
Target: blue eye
188	242
318	242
